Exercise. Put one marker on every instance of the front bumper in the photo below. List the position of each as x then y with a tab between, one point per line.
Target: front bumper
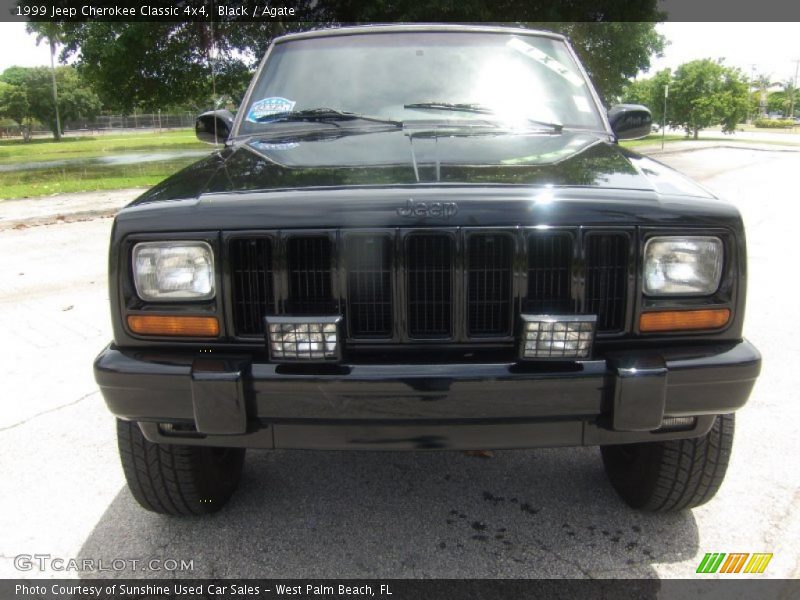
233	400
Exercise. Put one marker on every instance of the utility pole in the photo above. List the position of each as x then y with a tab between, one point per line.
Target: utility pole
794	89
750	90
664	116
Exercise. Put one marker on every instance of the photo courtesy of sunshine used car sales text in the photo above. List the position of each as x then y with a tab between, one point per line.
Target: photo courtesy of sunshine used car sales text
183	590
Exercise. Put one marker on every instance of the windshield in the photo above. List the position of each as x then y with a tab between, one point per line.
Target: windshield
432	77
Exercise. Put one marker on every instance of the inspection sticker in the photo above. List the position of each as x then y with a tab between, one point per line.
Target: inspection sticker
269	106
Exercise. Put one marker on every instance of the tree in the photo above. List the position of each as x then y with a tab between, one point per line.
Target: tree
790	97
157	64
706	93
29	96
154	65
777	102
638	91
14	106
754	102
649	92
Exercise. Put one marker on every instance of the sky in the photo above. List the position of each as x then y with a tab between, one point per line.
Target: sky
772	47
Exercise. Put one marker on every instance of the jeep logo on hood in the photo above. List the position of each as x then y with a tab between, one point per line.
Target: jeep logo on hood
444	210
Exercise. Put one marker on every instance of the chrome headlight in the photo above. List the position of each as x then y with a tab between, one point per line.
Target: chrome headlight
686	265
173	271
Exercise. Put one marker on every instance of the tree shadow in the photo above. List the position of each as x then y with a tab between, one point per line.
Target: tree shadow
521	514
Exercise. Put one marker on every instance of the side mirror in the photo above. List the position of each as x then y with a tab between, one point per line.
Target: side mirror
214	126
630	121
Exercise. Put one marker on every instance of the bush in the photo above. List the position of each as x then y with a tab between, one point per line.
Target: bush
774	123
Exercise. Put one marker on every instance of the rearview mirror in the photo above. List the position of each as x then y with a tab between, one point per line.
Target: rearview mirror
214	126
630	121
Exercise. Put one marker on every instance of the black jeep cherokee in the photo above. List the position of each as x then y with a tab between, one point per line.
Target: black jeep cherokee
425	237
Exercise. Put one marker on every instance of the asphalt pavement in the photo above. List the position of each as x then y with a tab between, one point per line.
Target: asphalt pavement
539	513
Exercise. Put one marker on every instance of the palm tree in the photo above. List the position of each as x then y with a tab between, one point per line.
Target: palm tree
762	83
52	33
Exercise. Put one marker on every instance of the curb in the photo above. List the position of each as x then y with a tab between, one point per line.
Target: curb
20	213
735	146
81	216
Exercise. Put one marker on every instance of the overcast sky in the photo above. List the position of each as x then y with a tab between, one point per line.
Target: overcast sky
771	47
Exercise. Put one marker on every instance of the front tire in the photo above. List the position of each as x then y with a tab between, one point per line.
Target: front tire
177	480
671	475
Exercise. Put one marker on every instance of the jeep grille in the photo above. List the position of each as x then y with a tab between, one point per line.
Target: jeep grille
452	285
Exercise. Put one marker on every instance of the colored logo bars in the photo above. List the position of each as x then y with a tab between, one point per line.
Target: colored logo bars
719	562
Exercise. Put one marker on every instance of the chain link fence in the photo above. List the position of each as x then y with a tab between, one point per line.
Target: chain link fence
110	124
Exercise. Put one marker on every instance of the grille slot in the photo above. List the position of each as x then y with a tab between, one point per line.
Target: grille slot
309	260
607	279
549	274
489	259
369	286
429	264
251	283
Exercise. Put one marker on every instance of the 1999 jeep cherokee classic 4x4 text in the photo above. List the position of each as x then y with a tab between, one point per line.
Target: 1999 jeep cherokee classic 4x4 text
425	237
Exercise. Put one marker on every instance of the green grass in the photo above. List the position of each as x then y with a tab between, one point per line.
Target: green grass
86	178
793	129
651	140
655	140
17	151
81	177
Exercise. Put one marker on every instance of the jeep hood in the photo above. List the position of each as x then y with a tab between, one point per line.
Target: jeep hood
328	158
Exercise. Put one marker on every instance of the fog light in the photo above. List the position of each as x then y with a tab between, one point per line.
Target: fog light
549	336
303	338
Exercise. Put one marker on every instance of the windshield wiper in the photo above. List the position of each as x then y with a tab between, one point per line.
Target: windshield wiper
478	109
322	115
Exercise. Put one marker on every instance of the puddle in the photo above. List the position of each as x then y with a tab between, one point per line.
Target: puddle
130	158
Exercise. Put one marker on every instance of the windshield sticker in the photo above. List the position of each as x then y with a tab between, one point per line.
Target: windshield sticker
542	58
269	106
582	104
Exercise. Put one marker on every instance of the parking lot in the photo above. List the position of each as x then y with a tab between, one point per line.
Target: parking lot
541	513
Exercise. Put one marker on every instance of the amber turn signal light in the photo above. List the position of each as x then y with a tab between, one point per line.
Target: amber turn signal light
174	326
684	320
